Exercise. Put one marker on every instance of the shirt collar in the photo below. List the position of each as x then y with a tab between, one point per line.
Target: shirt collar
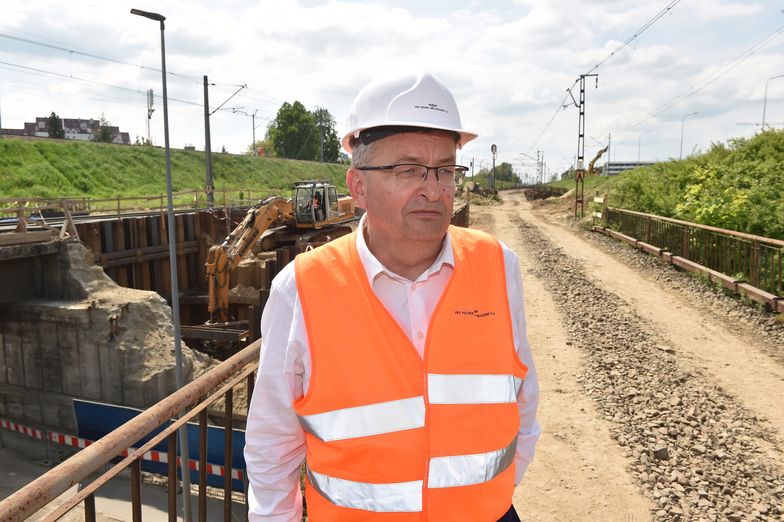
374	267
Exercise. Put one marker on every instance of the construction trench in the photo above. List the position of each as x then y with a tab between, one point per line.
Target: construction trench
88	318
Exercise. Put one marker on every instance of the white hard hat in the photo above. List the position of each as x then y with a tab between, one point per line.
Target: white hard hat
399	103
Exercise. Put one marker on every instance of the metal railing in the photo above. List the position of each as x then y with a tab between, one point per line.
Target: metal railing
755	259
183	200
227	376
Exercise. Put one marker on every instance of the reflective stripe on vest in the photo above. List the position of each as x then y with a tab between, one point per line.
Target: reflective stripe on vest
465	470
396	497
472	389
445	472
363	421
406	414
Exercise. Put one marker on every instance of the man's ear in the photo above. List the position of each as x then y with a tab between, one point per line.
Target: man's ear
355	181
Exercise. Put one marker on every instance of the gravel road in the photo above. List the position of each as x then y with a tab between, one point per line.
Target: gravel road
661	398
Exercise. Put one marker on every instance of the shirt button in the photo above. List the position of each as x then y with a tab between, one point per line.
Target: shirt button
420	335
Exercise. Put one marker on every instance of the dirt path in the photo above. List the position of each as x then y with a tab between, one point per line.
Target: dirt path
580	471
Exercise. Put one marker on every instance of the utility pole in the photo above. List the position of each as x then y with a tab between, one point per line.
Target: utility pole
150	110
579	175
765	101
253	119
494	150
472	169
208	148
321	140
538	167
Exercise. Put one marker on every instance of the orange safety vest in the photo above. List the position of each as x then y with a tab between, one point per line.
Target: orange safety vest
393	437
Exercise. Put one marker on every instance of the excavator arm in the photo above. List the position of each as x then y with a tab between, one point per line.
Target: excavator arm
224	258
594	160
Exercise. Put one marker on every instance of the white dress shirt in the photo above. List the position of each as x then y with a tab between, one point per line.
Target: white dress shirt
274	440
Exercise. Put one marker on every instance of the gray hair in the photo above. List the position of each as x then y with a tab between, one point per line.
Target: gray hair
360	153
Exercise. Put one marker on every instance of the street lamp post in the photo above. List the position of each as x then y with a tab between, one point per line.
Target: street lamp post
683	122
765	102
494	150
639	141
175	291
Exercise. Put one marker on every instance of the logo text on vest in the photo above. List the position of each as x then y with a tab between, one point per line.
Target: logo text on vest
475	313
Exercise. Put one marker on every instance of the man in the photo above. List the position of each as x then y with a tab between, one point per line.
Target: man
395	358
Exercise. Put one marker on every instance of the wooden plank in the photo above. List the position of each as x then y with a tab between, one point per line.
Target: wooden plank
192	332
19	238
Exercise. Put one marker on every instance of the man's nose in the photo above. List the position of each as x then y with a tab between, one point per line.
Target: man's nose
431	187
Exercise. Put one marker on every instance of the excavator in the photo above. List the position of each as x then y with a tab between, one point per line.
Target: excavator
315	214
594	160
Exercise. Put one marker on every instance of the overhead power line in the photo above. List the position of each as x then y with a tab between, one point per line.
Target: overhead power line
615	51
96	56
726	68
95	82
636	34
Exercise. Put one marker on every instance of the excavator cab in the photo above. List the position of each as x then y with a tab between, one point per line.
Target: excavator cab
315	215
315	202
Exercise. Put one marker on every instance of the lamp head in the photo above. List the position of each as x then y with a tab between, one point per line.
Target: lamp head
148	14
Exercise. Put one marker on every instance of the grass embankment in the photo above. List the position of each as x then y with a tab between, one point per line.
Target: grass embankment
58	168
738	186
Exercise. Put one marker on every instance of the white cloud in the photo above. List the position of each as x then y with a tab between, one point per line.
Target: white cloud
508	63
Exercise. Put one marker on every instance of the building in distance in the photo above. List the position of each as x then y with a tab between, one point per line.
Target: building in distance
74	129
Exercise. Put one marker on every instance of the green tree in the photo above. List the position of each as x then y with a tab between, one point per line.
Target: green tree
568	174
102	130
328	135
294	132
54	125
504	172
263	148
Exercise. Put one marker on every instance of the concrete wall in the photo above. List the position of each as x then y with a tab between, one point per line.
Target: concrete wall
86	338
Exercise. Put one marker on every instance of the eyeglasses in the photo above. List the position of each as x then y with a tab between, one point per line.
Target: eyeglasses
408	175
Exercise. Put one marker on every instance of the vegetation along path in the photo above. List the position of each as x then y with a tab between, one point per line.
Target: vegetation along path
659	401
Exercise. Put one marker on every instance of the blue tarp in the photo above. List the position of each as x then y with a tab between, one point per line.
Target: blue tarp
95	419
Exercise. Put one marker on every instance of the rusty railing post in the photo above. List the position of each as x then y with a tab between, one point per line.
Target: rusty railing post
89	509
136	490
203	466
228	424
172	486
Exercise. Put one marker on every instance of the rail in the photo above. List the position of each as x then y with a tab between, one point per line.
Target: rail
746	258
227	376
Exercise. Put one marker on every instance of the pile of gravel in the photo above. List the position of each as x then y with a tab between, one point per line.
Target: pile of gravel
694	449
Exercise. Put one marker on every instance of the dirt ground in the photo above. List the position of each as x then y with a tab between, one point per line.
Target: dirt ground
580	472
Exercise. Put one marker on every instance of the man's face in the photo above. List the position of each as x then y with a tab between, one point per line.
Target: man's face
395	215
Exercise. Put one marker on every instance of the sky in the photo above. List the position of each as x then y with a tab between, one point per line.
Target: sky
508	63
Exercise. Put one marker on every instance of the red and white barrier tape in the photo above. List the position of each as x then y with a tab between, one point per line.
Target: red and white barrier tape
78	442
24	430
